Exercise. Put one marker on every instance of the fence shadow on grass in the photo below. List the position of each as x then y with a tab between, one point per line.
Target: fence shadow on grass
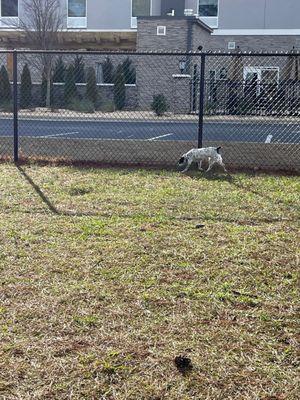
48	202
37	189
194	175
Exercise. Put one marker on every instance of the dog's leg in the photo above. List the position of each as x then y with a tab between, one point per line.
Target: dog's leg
220	162
210	164
223	166
188	165
199	165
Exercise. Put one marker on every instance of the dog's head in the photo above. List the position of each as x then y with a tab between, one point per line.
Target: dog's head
182	161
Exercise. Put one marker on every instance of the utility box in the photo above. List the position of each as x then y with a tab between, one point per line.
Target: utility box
167	7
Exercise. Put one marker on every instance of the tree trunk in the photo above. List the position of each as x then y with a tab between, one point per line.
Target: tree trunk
48	92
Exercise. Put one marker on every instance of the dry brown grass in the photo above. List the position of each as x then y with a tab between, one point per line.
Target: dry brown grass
105	279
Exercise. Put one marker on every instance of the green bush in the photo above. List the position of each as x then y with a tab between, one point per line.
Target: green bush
91	86
26	88
108	71
59	71
5	89
129	71
211	108
159	104
79	69
7	106
119	88
70	91
85	106
108	106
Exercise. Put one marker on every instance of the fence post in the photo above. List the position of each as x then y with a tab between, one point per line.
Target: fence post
201	101
15	103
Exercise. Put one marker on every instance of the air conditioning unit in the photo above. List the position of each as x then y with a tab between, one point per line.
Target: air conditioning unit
188	12
171	13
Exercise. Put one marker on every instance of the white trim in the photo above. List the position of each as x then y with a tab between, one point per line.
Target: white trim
251	32
73	30
77	22
79	84
83	84
161	30
181	76
212	22
98	30
9	23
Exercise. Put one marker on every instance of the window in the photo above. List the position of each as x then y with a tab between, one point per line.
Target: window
212	75
208	8
161	31
208	12
77	8
269	76
9	13
140	8
223	73
9	8
264	79
77	14
263	74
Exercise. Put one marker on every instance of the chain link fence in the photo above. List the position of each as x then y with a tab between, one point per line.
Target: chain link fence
6	106
150	108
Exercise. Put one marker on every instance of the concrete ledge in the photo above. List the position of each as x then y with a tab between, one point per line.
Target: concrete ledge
6	147
273	156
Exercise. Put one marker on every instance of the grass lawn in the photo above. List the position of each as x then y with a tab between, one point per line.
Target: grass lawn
108	274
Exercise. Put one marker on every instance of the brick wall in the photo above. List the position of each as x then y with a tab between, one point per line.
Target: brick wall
175	39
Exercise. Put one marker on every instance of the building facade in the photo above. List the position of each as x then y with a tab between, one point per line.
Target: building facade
174	25
226	17
219	26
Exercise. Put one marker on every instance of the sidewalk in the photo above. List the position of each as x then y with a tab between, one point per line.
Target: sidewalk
63	114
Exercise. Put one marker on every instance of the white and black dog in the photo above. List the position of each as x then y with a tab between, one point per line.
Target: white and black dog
210	154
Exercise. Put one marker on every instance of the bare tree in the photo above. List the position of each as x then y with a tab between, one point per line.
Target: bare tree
42	21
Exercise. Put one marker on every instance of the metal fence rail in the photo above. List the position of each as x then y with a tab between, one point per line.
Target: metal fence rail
149	108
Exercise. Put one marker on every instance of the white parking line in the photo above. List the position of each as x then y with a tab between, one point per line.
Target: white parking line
268	139
58	134
158	137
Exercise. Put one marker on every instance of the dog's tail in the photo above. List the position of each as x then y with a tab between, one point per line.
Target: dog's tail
218	149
